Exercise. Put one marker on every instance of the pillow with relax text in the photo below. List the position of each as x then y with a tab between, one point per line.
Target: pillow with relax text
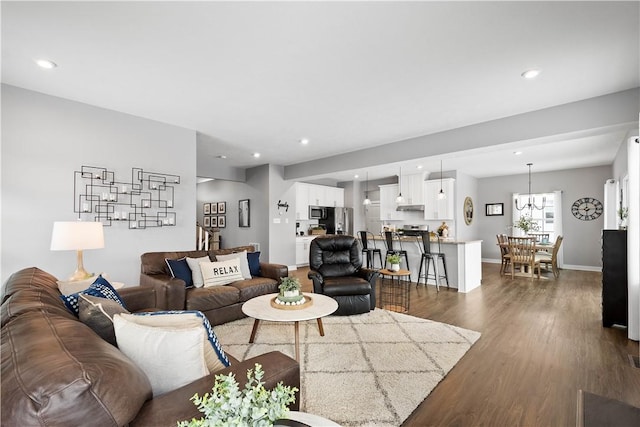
244	263
221	272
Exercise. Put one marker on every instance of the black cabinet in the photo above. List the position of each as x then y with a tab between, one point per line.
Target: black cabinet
614	278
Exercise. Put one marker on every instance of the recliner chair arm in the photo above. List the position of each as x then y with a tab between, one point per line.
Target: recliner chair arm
369	274
317	280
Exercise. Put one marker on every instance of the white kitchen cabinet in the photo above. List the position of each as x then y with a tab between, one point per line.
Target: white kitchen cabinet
302	200
302	249
412	187
388	194
439	209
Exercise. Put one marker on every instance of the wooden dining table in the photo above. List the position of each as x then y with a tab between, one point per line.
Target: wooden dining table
539	247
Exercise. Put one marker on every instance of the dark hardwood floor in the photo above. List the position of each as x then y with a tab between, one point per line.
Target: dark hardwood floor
541	342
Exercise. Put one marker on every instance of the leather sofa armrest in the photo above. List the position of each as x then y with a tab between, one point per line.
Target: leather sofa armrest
273	271
138	298
174	406
318	281
171	293
370	275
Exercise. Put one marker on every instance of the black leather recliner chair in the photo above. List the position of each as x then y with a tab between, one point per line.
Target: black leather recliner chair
336	271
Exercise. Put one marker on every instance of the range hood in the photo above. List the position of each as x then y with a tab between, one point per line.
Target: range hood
410	208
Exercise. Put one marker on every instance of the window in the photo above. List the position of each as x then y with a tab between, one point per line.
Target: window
545	218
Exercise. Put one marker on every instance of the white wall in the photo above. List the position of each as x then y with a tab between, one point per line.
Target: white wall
44	140
582	248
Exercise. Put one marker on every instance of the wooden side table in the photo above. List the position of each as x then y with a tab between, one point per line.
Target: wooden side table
395	295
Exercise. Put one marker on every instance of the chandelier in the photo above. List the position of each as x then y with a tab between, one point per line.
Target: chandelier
531	201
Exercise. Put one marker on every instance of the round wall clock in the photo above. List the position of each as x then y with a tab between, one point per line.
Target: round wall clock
587	208
468	210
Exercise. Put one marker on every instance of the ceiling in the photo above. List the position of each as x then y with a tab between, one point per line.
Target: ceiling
259	76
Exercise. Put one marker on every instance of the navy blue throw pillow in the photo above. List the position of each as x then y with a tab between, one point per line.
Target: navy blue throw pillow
254	263
179	269
101	288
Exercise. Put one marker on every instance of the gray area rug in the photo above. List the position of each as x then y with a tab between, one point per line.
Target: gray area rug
372	369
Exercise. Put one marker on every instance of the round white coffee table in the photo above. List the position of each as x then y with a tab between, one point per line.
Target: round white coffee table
260	309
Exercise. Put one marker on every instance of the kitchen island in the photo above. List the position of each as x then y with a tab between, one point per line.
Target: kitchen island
464	260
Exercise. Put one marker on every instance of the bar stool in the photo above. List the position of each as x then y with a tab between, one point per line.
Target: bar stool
369	248
430	257
388	238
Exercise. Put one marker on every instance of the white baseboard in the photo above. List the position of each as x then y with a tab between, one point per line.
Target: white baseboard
564	267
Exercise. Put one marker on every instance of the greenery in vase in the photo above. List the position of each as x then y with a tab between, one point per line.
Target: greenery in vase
393	259
255	406
623	213
526	223
289	284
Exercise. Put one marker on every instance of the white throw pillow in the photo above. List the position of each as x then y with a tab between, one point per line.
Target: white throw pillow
196	273
221	272
244	262
170	357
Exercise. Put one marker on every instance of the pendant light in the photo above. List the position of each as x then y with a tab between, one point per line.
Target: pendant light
400	199
531	201
441	195
366	200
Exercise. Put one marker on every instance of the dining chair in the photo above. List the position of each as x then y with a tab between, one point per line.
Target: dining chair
540	237
551	258
505	256
523	253
369	248
428	257
391	249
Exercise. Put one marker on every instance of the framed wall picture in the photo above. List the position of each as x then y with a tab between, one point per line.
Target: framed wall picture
214	208
214	221
207	221
244	213
222	207
468	210
494	209
222	222
206	208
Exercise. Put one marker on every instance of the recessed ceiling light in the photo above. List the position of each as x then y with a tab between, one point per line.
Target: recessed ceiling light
45	63
517	153
256	155
356	176
304	141
221	156
419	167
531	74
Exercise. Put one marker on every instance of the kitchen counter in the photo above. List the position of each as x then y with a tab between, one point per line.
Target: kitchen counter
463	258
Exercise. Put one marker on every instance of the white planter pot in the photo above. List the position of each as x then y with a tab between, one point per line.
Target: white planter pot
395	267
288	294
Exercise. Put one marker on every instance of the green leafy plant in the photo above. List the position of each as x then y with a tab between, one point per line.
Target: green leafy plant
289	284
526	223
228	405
623	213
393	259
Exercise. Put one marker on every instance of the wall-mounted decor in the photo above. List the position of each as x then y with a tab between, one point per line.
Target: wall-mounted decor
146	200
207	221
214	208
244	213
222	207
468	210
494	209
214	221
222	222
587	208
206	208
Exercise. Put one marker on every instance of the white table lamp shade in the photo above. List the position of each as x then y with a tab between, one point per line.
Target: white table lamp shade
76	235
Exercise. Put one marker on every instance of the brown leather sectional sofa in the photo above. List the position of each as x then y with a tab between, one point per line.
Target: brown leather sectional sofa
57	372
221	304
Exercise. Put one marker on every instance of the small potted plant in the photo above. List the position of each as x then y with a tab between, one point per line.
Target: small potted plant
289	287
394	260
254	405
623	213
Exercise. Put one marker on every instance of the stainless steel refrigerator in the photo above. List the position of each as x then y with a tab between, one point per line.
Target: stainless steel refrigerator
338	221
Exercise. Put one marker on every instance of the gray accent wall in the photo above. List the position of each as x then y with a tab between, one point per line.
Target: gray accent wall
581	238
44	140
